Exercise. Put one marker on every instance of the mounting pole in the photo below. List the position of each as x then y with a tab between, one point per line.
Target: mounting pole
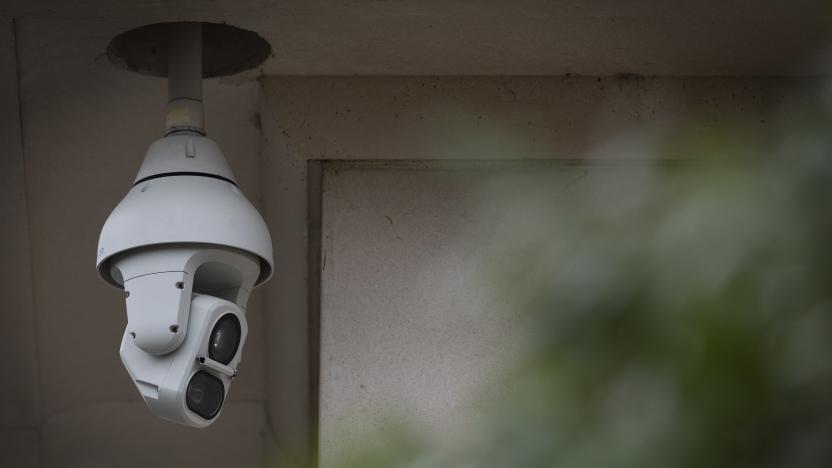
184	110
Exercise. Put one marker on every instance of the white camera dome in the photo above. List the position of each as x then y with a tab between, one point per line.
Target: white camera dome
184	193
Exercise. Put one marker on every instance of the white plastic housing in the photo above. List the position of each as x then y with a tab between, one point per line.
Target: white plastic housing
163	380
158	283
184	153
184	193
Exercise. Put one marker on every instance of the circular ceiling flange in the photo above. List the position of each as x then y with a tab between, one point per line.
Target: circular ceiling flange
226	49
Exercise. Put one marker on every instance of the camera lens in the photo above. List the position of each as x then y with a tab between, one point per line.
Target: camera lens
205	394
225	338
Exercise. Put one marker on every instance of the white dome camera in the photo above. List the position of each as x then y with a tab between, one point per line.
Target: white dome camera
187	247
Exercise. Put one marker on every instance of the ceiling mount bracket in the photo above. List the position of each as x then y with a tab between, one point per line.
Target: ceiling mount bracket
184	112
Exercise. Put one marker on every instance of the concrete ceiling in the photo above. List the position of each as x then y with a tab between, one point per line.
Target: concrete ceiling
487	37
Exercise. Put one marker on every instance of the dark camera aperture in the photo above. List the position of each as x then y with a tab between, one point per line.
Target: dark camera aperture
225	338
205	394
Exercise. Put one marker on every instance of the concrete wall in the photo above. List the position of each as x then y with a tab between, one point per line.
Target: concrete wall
502	117
19	402
419	327
414	326
405	320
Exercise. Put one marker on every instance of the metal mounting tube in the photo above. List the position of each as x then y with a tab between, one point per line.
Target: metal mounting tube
184	110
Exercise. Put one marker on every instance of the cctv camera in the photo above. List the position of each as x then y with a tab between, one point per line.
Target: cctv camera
189	386
187	247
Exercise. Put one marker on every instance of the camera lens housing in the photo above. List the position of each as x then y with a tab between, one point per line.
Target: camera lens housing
190	385
225	338
205	394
